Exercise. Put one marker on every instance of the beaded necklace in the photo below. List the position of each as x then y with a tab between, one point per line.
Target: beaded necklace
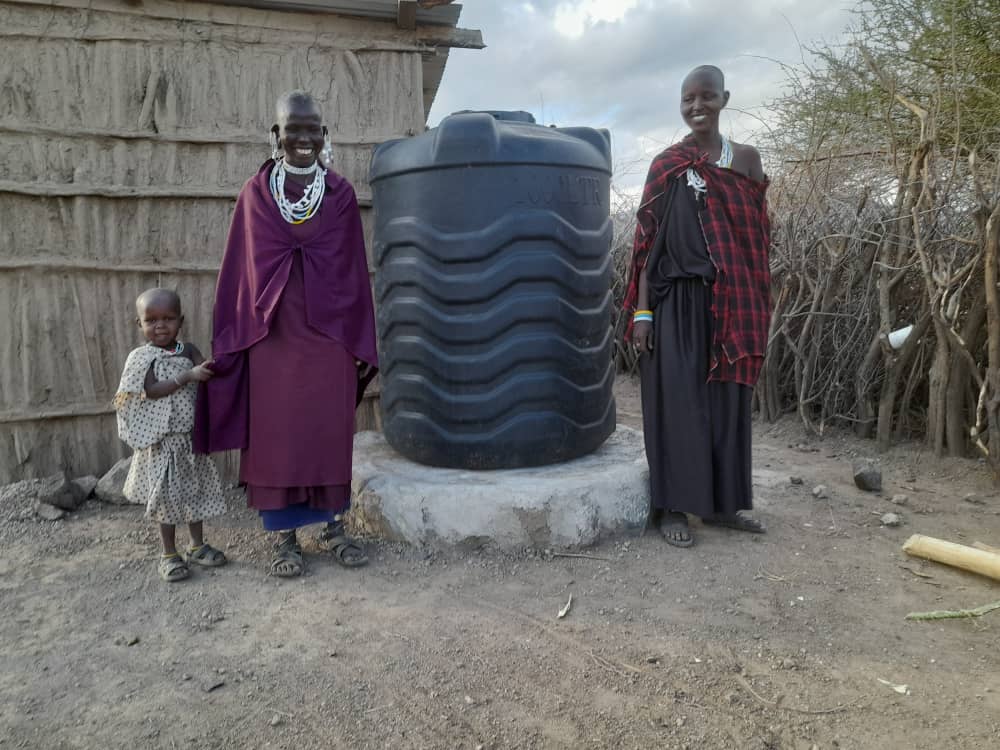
292	169
697	182
177	348
305	207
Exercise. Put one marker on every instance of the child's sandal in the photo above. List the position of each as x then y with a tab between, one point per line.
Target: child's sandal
172	568
206	556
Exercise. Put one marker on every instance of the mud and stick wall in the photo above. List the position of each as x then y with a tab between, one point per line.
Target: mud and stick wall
126	132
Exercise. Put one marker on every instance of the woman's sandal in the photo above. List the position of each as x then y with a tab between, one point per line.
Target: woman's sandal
739	522
345	550
675	530
288	563
206	556
172	568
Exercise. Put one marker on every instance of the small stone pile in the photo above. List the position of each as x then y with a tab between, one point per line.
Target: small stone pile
56	495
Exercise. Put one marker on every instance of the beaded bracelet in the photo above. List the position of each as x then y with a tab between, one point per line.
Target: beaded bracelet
642	315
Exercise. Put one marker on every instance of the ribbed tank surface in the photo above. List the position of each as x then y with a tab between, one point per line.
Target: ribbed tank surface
492	287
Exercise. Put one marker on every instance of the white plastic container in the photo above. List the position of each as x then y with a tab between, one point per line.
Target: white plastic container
898	337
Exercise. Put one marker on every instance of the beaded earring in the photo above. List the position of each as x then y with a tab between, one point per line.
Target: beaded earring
326	155
275	150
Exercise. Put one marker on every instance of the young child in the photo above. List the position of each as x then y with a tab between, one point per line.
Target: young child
155	407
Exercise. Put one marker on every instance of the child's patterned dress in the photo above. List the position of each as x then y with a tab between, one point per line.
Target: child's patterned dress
176	485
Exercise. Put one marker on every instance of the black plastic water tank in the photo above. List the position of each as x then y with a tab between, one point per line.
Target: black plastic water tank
493	301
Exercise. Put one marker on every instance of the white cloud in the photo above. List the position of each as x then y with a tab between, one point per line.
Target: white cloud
571	19
619	64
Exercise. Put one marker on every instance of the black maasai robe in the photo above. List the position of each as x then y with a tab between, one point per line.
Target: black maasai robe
697	431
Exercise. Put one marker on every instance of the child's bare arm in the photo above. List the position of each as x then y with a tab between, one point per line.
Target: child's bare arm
201	364
193	353
162	388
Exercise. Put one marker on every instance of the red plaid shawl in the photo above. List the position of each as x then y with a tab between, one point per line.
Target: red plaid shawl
738	234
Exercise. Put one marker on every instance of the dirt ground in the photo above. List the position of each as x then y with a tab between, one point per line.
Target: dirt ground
743	641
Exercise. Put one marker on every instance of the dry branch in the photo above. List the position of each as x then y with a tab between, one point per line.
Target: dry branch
952	614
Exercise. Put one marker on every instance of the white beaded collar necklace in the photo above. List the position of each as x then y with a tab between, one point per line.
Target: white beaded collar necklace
299	170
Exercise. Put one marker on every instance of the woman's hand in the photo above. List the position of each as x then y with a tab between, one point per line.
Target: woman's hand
198	374
642	335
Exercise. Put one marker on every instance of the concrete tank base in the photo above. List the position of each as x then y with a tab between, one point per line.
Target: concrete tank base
563	505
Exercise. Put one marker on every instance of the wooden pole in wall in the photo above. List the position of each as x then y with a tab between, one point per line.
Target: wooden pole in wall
957	555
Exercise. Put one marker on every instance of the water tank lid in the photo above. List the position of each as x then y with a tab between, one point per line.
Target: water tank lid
468	139
507	115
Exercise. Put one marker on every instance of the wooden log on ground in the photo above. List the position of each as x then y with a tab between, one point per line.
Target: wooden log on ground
956	555
986	548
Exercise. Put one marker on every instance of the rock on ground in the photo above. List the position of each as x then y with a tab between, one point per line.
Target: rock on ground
867	476
110	487
891	519
84	486
57	491
48	512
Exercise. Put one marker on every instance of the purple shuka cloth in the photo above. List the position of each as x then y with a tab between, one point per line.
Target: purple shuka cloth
255	270
302	390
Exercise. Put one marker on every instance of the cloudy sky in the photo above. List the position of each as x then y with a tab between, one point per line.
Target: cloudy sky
618	64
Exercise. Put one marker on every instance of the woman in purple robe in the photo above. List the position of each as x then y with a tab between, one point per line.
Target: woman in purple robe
293	340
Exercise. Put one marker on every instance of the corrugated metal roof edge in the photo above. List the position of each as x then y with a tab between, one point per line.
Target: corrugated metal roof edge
444	14
437	33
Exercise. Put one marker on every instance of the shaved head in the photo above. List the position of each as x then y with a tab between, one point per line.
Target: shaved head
295	100
158	297
707	72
